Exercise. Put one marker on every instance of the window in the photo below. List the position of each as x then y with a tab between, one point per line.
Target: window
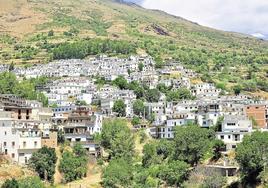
13	144
13	155
233	146
230	124
229	137
35	144
24	144
5	133
5	144
222	137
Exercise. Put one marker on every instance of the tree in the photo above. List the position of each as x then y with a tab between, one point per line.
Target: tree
137	88
13	183
80	103
191	143
162	88
118	173
117	139
218	146
8	82
121	82
135	120
237	89
31	182
140	66
43	162
11	67
138	107
50	33
159	63
156	152
120	108
174	173
73	164
179	94
60	137
251	155
152	95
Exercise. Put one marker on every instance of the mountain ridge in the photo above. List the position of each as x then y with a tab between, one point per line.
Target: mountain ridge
30	30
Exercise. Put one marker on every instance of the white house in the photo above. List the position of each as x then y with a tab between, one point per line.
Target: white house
234	128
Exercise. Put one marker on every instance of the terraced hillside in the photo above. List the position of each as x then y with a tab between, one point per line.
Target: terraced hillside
32	31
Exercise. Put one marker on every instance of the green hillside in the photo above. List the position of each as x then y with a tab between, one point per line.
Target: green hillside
37	31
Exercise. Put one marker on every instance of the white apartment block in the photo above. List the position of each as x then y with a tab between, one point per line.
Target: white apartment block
18	138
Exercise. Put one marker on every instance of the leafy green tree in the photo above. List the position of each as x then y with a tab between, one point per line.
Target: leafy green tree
120	108
190	143
174	172
135	120
43	162
117	139
118	173
180	94
138	107
31	182
73	164
251	155
159	63
218	146
141	66
162	88
237	89
152	95
137	88
121	82
156	152
8	82
13	183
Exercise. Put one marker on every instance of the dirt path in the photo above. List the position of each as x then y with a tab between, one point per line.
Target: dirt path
57	175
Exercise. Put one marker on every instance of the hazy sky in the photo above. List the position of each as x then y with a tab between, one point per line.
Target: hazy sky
246	16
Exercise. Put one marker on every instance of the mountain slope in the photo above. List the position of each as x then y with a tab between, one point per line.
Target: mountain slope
221	56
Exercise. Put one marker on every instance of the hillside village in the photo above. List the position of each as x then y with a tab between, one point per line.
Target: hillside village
82	94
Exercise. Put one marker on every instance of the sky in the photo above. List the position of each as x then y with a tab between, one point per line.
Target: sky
244	16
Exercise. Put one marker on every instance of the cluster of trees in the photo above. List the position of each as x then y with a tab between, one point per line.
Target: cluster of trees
43	162
252	157
74	164
153	95
81	49
118	141
29	182
143	93
25	88
164	162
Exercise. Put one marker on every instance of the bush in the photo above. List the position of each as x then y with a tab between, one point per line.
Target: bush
10	184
